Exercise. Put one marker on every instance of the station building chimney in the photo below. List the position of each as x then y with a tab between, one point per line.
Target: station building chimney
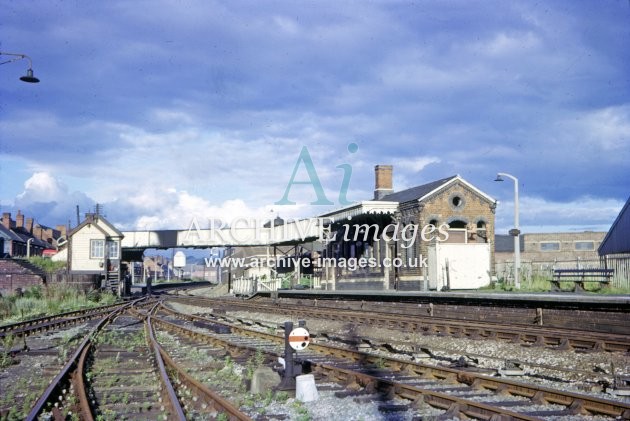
383	181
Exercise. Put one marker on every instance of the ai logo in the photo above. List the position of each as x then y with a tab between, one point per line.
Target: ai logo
305	159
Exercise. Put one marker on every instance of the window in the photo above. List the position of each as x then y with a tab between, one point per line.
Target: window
584	245
457	224
112	249
97	249
482	236
456	201
550	246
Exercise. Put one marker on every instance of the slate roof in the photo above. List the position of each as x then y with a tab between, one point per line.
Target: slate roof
9	234
25	236
417	192
617	240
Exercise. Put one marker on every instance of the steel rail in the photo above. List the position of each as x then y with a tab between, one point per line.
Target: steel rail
27	326
80	386
215	400
532	335
38	407
84	403
587	403
433	398
373	384
170	390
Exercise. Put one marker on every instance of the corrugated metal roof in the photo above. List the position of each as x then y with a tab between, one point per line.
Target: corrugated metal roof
618	238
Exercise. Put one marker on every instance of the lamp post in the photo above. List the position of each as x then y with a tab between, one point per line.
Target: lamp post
515	232
29	77
28	248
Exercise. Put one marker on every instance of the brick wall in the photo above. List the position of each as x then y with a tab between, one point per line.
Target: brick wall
14	275
559	246
471	208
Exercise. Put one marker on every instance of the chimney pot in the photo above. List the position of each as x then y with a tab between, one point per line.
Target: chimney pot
19	220
6	220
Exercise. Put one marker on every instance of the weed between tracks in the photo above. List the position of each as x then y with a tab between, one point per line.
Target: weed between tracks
225	375
5	356
120	377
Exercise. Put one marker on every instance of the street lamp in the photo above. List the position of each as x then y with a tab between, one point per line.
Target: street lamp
29	73
515	232
28	248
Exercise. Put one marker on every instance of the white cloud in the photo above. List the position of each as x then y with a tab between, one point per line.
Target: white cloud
42	187
608	127
572	215
508	43
416	164
49	200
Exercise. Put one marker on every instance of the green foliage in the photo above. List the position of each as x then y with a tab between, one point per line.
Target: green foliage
38	301
5	355
46	264
301	411
282	396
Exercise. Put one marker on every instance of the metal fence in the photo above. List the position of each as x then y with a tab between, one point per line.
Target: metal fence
530	271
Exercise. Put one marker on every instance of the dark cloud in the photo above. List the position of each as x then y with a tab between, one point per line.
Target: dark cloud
217	98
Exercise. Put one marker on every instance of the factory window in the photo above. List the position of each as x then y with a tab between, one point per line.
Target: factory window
584	245
97	249
550	246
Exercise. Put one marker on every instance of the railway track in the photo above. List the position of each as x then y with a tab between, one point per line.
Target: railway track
450	353
33	352
554	338
118	374
120	371
457	392
55	321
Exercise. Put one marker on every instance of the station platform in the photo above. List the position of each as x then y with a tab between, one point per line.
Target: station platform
503	299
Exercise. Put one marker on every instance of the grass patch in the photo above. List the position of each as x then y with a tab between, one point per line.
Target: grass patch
540	283
38	301
46	264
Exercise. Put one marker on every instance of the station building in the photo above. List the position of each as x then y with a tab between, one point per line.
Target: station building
439	234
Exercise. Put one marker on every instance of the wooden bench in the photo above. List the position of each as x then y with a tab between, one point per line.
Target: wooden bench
579	276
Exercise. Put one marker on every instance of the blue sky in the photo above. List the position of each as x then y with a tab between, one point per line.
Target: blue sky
167	110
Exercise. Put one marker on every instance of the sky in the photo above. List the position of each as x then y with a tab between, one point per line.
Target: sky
169	111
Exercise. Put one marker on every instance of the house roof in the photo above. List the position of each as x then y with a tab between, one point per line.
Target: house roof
425	190
25	236
97	220
9	234
617	240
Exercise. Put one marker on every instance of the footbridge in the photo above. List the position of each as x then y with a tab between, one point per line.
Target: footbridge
244	233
